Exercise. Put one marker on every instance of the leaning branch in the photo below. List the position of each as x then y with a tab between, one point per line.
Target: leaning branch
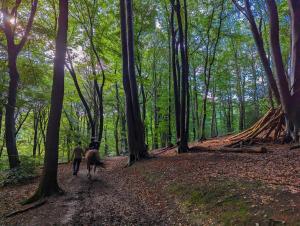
29	25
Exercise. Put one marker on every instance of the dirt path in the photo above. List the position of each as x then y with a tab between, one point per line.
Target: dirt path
111	201
188	189
111	198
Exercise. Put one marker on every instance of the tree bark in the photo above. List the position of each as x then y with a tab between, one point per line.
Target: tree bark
48	184
117	120
10	127
214	127
136	138
295	16
35	129
183	145
175	72
281	80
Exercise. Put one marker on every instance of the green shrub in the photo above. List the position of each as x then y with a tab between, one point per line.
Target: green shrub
22	174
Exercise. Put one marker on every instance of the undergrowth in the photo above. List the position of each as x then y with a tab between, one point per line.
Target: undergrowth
26	172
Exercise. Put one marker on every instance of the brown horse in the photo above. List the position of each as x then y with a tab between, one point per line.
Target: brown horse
92	158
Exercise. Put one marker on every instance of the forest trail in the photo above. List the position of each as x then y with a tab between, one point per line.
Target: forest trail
191	189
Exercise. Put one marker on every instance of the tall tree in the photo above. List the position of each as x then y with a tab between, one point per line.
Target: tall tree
8	27
210	56
136	138
48	183
289	100
259	41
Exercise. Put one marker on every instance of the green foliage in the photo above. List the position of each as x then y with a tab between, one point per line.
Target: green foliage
151	27
26	172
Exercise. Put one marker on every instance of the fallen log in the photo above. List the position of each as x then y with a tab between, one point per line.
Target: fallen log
254	150
33	206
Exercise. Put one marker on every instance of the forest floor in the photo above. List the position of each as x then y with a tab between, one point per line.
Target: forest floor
207	188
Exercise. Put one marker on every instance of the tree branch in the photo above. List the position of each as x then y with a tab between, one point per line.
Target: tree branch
22	122
240	8
29	26
15	9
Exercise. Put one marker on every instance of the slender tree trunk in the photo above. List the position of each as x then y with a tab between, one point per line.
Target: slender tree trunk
3	141
255	93
48	184
105	142
193	113
35	129
117	120
155	109
123	134
169	137
175	72
82	98
214	129
196	106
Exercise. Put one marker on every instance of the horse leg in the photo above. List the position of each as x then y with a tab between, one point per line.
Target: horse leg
95	166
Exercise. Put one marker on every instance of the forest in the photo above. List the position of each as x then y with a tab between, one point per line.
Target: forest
190	108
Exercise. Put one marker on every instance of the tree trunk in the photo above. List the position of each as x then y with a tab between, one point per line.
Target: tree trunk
214	128
117	120
209	62
155	109
175	72
136	138
255	94
240	84
123	134
169	136
183	145
82	98
1	117
260	47
281	80
295	15
196	106
105	142
35	129
48	184
10	129
13	50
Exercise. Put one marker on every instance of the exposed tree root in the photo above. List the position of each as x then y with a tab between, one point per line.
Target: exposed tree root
271	127
33	206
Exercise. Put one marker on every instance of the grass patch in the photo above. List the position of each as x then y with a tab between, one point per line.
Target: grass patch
219	200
